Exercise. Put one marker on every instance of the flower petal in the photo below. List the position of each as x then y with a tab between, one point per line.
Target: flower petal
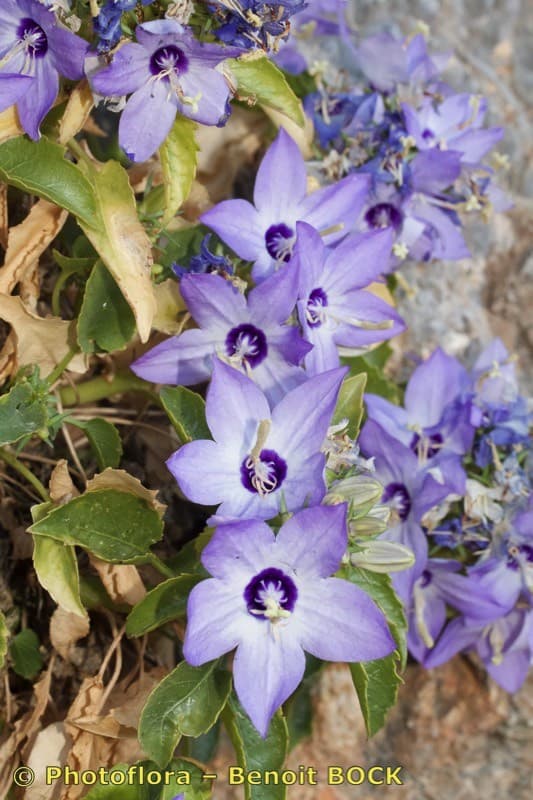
212	301
237	223
39	98
267	669
236	548
179	361
280	183
314	540
338	204
210	92
234	407
137	134
126	74
203	474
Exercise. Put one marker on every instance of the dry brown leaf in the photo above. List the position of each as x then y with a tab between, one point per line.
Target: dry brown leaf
83	753
130	702
170	303
8	357
27	241
62	490
25	730
49	750
30	286
122	581
99	726
4	220
9	124
39	341
66	629
122	481
78	109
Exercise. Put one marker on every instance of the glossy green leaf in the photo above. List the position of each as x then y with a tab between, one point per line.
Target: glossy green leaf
260	81
350	403
106	322
57	571
186	411
186	703
104	439
41	168
115	526
22	412
4	636
178	156
255	753
26	658
376	683
164	603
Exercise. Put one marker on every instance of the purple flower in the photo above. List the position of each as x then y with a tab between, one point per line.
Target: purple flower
505	646
333	308
255	24
437	412
265	232
107	24
410	490
260	460
388	61
271	597
34	51
204	261
166	72
246	332
454	124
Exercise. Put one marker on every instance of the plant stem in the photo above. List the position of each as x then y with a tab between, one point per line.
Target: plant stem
61	367
160	566
99	388
78	151
12	461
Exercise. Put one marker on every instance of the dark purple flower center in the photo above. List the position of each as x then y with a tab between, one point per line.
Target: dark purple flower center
517	554
279	240
271	594
428	135
314	310
433	444
264	474
32	37
384	215
168	60
398	498
425	579
248	344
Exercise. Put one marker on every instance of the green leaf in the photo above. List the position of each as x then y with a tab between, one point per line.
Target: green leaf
376	382
379	587
106	322
41	168
186	411
255	753
260	81
57	571
23	411
164	603
115	526
350	403
178	155
299	713
25	656
186	703
104	439
139	789
4	636
376	683
121	241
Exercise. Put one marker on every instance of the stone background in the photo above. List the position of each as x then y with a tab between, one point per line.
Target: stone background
456	734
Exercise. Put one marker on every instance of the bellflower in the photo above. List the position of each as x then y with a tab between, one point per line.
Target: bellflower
454	124
272	598
34	51
260	460
107	24
247	333
265	232
504	645
410	490
166	72
255	24
437	413
334	309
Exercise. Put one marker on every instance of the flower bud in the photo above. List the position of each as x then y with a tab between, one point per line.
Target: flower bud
381	556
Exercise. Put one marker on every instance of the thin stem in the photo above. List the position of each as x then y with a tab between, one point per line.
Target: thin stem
12	461
61	367
100	388
160	566
79	152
